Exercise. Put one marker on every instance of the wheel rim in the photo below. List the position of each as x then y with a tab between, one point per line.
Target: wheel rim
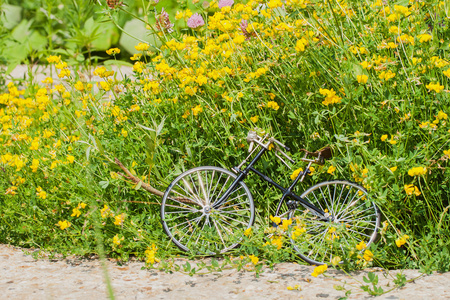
352	218
190	220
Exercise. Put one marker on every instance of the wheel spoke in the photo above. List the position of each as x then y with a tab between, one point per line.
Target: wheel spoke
353	216
195	199
220	192
220	234
196	223
185	222
233	205
202	186
192	226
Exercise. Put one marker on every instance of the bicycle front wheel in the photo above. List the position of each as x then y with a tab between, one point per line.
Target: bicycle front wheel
188	216
352	218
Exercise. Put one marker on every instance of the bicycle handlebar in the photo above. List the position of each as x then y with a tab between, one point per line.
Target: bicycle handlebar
253	138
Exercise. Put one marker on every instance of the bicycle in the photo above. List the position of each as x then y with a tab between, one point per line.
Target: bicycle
208	209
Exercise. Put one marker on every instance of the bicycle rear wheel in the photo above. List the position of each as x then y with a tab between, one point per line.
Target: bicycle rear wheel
353	218
189	219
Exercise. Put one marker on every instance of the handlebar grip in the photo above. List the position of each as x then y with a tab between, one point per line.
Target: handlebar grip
287	148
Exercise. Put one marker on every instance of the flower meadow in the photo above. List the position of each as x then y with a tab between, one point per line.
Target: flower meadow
79	155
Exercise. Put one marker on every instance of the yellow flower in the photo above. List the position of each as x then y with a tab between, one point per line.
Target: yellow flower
64	73
48	80
79	86
447	152
113	51
105	211
35	144
401	241
63	224
393	169
386	75
136	56
441	115
276	220
190	90
301	44
361	246
319	270
331	169
53	59
248	231
297	232
417	171
368	255
150	254
423	38
285	224
384	137
296	287
142	47
254	119
410	189
446	73
118	220
124	133
41	193
394	29
196	110
70	158
295	173
75	212
330	96
34	165
117	240
273	105
435	87
366	65
254	259
11	190
362	78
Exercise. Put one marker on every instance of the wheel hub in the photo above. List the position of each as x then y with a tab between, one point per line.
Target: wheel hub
207	209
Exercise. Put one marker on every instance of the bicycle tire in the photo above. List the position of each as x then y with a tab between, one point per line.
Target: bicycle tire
354	218
191	223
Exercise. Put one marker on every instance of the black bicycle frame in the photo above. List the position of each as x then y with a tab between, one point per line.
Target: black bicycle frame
287	192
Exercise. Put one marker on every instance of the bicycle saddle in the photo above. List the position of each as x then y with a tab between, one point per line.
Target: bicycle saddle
323	153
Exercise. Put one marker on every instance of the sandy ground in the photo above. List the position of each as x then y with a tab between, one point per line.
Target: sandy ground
23	277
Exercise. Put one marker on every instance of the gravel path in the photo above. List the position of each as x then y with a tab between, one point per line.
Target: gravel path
23	277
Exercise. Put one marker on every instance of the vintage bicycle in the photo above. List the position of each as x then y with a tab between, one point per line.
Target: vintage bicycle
207	209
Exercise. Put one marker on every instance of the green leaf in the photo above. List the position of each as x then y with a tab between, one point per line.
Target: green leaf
104	184
138	185
113	62
36	41
214	263
99	146
88	152
138	32
106	35
150	145
11	15
375	280
187	267
160	127
21	32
